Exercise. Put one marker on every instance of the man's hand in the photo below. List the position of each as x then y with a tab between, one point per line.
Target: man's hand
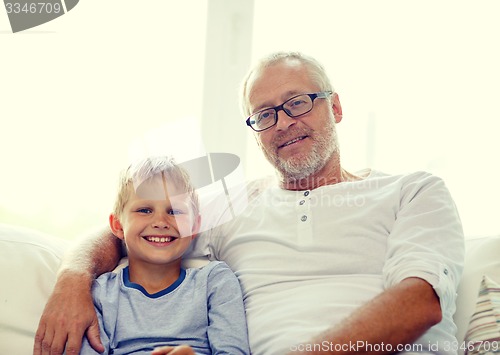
68	315
173	350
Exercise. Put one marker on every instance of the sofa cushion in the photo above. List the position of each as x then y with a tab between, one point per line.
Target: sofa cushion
483	333
28	261
482	257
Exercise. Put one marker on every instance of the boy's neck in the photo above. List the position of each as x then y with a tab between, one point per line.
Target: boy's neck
154	278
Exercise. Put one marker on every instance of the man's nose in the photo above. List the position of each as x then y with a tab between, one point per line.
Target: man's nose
284	121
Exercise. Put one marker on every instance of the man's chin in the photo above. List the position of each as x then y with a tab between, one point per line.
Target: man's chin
296	167
300	167
295	170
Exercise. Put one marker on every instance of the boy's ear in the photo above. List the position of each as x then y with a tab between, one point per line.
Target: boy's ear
116	226
196	226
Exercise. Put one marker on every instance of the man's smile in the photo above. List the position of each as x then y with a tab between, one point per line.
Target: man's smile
293	141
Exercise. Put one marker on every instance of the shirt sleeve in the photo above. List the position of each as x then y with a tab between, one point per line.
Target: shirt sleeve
227	329
427	239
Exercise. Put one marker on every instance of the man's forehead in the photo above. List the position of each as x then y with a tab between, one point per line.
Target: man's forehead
278	82
260	76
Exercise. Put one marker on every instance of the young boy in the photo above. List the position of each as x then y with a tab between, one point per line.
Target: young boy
154	302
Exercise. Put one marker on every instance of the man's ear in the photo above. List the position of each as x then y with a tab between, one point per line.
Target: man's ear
337	108
116	226
196	226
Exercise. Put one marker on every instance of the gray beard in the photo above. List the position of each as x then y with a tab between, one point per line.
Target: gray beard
298	169
302	167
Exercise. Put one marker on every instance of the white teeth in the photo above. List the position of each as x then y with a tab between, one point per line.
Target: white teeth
292	141
159	239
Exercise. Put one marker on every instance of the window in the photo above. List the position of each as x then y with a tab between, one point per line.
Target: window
77	91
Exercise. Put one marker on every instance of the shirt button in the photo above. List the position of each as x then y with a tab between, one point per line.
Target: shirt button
302	202
306	193
445	271
303	218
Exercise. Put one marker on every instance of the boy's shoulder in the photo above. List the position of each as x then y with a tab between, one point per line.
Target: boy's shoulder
209	267
107	284
214	277
111	276
211	270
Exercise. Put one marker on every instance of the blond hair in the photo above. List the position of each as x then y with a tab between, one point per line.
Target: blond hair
147	169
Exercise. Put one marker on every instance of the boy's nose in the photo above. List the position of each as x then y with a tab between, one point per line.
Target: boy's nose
161	222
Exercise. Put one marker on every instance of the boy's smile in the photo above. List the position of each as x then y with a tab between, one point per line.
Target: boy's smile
160	240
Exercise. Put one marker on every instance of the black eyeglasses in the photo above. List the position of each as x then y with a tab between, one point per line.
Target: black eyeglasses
294	107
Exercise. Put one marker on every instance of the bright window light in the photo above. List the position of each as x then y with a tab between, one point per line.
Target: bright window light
418	82
76	92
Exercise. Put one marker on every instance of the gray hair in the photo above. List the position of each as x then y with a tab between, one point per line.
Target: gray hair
316	70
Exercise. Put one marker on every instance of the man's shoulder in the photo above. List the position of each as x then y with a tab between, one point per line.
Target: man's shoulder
406	177
256	187
410	184
221	205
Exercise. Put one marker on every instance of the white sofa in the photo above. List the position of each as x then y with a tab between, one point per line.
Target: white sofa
29	261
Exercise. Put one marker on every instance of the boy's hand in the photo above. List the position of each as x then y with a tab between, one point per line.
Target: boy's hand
68	315
173	350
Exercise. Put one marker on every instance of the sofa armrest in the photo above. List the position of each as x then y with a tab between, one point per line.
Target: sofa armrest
28	264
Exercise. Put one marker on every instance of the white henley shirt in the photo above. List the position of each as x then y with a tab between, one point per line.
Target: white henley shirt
307	259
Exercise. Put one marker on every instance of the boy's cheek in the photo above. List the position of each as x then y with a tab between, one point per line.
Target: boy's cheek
185	228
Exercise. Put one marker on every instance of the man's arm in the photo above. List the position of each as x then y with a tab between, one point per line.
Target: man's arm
69	312
398	316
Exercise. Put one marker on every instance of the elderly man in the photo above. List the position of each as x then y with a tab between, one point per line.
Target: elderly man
329	261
